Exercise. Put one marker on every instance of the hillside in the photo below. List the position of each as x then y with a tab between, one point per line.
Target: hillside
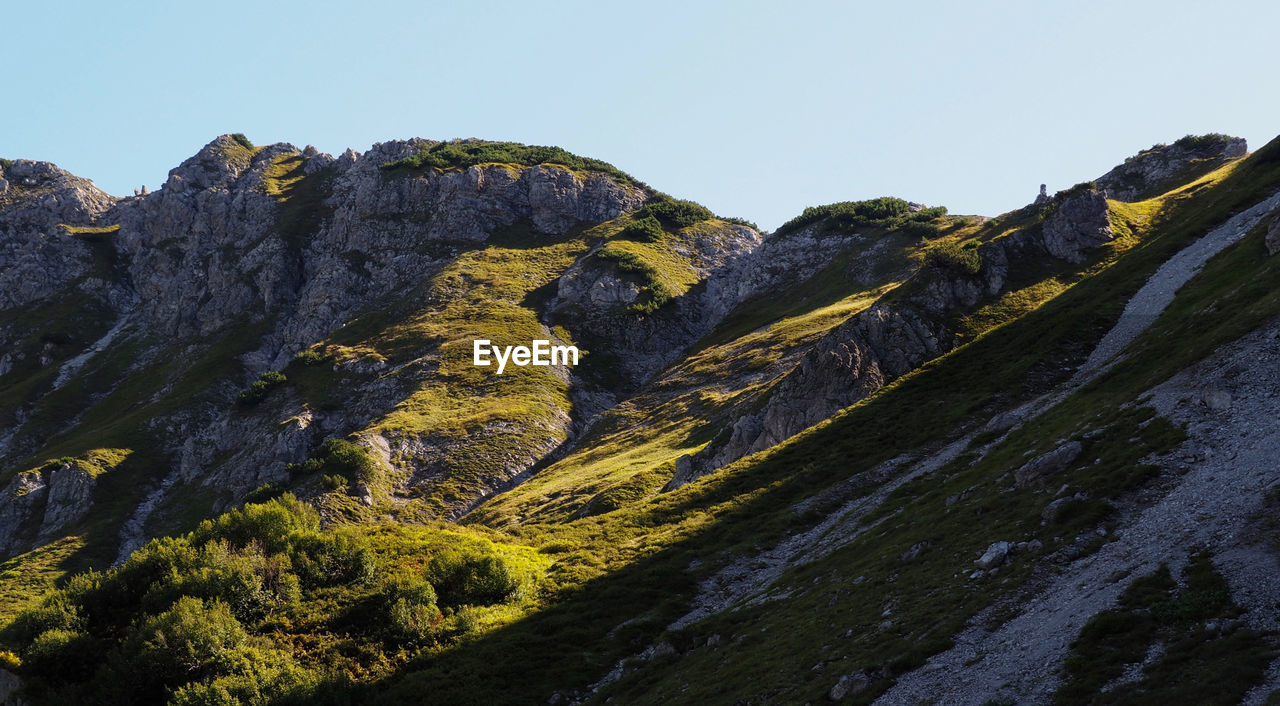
884	453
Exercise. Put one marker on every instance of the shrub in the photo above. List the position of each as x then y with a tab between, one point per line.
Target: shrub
951	257
677	213
1213	139
461	154
263	493
410	609
261	387
243	141
57	612
653	293
341	458
885	212
342	556
251	583
334	482
191	641
268	524
63	655
646	229
464	577
312	356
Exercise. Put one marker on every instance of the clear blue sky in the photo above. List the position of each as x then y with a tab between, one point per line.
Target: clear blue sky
756	109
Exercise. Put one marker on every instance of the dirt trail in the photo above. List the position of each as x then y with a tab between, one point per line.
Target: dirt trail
1232	456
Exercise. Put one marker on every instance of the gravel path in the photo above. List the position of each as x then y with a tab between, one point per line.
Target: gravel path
1158	292
1231	459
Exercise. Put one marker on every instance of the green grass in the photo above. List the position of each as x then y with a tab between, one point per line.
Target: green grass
884	212
738	508
616	561
25	579
461	154
1198	665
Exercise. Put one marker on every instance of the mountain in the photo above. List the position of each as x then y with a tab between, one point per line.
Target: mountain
884	453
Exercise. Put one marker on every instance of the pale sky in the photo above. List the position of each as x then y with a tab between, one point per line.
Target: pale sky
755	109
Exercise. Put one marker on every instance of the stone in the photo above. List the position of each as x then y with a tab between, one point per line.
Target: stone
1272	240
1215	399
1004	420
1043	196
1047	464
1155	167
916	550
994	556
1081	222
849	685
1053	510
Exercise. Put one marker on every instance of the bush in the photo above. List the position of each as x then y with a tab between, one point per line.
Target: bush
250	582
676	213
646	229
885	212
312	356
261	387
243	141
338	457
461	154
192	641
463	577
951	257
410	609
653	292
268	524
58	612
263	493
342	556
62	655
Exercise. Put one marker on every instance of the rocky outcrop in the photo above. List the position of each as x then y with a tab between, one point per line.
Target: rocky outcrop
38	257
1163	166
1051	463
1080	222
894	337
592	298
1273	237
270	248
43	503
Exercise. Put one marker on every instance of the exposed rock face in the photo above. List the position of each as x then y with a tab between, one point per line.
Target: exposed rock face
37	256
58	496
1047	464
1081	222
855	360
276	248
593	296
994	556
889	340
1164	164
1273	237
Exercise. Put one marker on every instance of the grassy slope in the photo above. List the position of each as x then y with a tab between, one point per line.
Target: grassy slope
640	556
928	596
632	447
634	565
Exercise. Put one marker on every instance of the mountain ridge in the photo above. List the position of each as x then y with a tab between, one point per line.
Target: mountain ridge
348	287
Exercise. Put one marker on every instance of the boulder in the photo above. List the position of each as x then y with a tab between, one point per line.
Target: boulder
1215	399
994	556
1047	464
1272	240
848	685
1081	222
